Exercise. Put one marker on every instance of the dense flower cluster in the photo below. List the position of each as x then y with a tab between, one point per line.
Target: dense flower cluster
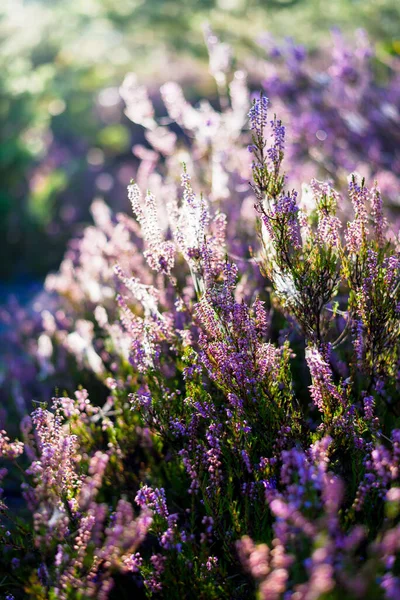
77	539
246	436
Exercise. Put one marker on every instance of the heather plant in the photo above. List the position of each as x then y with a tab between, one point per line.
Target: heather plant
78	533
249	442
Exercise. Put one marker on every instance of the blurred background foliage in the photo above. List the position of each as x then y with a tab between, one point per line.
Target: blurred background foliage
64	138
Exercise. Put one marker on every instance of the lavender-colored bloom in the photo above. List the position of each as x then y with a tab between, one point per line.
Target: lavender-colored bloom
153	499
258	115
323	390
275	152
160	253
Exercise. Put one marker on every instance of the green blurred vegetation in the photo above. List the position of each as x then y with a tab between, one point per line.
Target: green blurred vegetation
57	55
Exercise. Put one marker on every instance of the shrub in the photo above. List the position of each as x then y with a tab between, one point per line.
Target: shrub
250	440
